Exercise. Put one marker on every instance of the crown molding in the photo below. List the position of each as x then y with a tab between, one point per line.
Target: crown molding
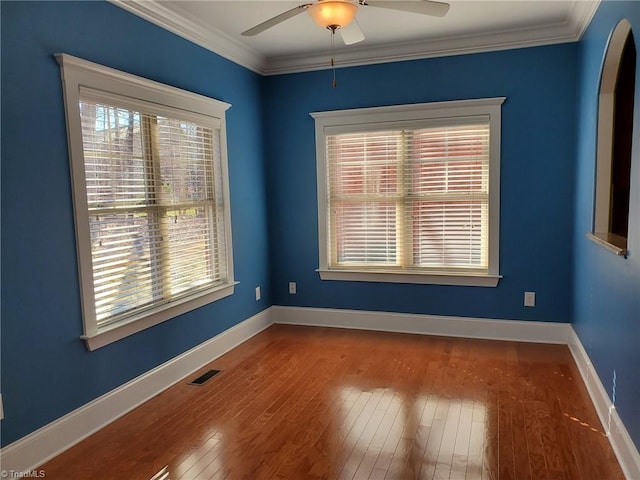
212	39
222	44
565	32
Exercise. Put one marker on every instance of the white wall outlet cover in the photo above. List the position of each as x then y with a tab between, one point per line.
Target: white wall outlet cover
529	299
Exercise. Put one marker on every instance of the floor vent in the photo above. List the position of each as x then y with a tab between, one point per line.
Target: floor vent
204	377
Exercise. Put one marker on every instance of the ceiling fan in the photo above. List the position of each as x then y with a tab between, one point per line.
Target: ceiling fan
340	15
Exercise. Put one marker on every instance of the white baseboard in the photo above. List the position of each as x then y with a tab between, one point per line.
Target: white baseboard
45	443
621	442
36	448
514	330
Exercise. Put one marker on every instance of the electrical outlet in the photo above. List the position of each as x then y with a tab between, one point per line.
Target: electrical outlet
292	288
529	299
1	408
258	293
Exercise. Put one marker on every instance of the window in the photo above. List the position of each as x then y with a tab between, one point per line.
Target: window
410	194
151	202
615	139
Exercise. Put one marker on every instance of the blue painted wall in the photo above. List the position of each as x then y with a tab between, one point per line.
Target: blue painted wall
606	287
46	369
537	186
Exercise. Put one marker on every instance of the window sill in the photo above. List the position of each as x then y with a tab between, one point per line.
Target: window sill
611	242
469	280
112	333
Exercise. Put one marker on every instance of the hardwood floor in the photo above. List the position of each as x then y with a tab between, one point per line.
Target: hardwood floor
317	403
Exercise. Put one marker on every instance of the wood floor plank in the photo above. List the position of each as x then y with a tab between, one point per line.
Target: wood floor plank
476	447
319	403
533	432
491	463
460	459
394	435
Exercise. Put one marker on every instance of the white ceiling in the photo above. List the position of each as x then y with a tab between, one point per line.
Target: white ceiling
299	44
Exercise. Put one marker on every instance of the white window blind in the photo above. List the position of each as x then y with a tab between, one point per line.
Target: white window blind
410	193
409	198
151	199
154	207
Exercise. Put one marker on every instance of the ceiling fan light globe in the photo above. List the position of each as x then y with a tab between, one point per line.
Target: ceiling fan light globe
333	13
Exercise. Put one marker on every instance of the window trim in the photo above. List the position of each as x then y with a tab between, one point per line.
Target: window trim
360	119
77	72
600	230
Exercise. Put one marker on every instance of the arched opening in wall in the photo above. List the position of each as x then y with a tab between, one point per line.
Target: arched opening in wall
614	141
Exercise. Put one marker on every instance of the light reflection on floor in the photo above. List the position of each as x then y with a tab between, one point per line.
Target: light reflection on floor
391	435
163	474
205	461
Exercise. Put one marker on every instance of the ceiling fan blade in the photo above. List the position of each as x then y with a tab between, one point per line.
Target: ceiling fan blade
272	22
423	7
351	33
